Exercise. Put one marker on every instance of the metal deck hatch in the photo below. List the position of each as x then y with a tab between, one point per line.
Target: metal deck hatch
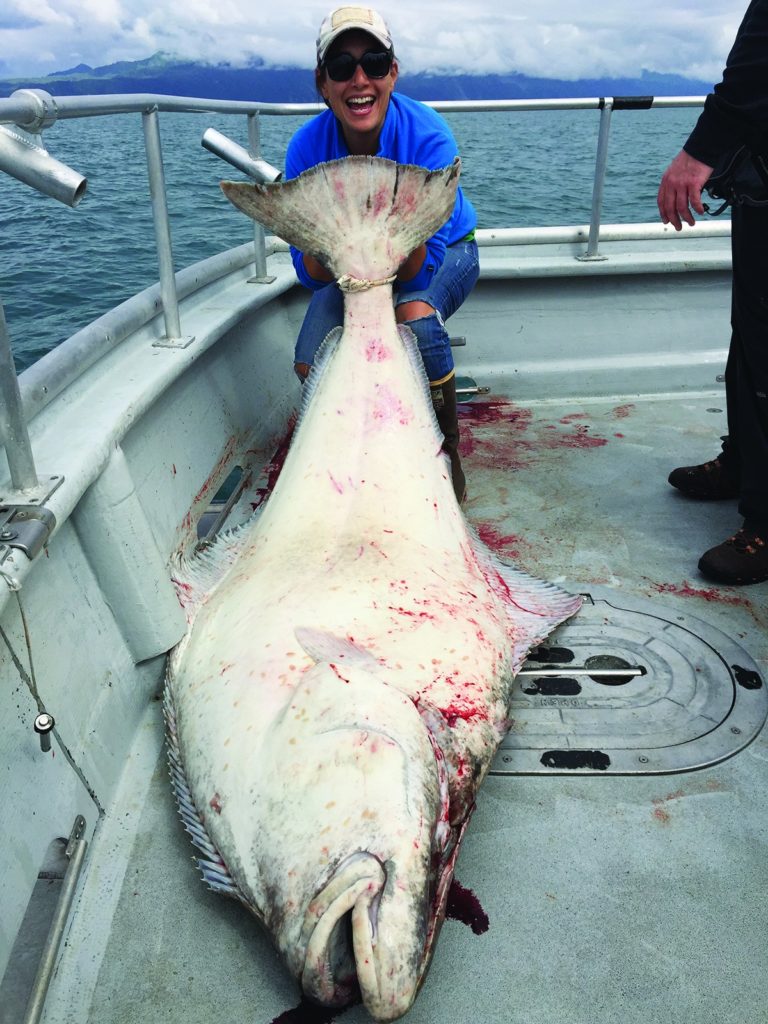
622	689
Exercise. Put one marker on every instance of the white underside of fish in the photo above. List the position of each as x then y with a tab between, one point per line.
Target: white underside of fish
346	679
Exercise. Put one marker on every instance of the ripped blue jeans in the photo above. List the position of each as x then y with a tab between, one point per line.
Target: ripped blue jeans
448	289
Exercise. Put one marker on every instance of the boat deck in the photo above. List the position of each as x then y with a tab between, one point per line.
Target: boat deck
610	897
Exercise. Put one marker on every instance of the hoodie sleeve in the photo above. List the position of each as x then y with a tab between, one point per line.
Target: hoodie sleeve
300	156
436	149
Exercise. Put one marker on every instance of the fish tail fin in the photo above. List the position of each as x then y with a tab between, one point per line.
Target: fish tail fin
359	216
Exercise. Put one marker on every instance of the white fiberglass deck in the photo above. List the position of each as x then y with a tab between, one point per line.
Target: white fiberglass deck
638	899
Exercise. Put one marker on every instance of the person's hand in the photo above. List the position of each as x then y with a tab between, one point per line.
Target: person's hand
680	190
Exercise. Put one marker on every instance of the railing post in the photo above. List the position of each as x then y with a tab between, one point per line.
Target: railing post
13	428
173	338
259	244
601	162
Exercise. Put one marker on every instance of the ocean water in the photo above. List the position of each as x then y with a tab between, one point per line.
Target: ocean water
60	268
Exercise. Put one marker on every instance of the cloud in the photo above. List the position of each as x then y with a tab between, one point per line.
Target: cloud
552	38
16	20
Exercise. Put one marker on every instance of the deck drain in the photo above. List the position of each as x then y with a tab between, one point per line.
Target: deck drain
598	666
620	689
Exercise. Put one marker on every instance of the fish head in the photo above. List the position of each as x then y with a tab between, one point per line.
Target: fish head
352	902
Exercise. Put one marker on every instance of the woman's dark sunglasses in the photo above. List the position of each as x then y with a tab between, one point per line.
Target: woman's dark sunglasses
375	64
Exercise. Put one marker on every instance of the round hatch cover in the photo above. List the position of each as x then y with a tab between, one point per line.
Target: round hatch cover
619	689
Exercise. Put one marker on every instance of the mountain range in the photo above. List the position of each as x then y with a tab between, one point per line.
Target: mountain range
169	75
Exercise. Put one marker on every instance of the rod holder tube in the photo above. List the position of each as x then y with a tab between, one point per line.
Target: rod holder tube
249	163
218	144
13	427
25	159
162	224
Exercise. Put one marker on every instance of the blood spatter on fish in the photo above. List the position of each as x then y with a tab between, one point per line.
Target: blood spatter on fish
376	351
185	592
388	407
335	483
381	200
460	711
412	613
464	906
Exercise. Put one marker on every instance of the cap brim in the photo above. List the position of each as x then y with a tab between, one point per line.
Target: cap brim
386	42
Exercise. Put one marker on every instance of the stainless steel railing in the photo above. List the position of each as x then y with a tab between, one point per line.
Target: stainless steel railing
31	111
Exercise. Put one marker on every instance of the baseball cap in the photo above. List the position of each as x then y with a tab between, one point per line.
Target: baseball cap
343	19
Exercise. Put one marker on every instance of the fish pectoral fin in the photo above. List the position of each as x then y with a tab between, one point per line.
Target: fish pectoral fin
534	607
324	647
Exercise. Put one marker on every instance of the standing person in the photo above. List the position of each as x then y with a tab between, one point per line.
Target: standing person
356	74
736	113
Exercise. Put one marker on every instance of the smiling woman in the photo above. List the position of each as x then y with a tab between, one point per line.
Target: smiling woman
356	74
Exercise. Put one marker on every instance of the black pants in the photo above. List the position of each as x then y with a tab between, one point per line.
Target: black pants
746	373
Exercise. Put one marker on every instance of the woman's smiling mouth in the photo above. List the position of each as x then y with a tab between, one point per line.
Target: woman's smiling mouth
361	104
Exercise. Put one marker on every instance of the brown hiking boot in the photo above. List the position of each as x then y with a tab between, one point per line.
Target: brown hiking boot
709	482
742	558
445	406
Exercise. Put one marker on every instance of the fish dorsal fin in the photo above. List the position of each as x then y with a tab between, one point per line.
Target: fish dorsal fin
411	346
324	647
196	575
212	867
322	358
341	212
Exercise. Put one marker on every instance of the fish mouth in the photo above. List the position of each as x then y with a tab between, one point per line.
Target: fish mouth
340	930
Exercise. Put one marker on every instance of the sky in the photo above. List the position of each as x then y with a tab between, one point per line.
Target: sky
543	38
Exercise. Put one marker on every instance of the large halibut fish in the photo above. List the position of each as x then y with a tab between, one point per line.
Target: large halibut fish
346	676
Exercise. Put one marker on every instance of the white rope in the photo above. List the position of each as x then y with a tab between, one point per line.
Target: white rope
11	581
347	283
